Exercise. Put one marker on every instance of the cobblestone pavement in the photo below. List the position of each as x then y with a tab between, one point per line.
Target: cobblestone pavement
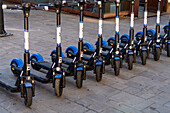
145	89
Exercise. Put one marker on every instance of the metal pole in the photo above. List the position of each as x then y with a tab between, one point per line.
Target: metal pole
2	30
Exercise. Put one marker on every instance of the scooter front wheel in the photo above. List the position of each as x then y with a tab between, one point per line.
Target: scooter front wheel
130	62
168	50
143	57
157	54
117	67
98	73
121	62
58	87
79	80
28	96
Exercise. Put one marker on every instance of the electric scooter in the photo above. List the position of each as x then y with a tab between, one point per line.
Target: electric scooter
111	56
166	38
56	74
141	39
114	55
95	61
115	48
25	82
61	66
157	43
126	45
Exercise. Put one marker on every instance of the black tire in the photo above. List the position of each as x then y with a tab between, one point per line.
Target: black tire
130	62
79	80
28	96
109	42
98	73
134	58
53	56
121	62
168	50
157	54
117	68
69	51
143	57
85	46
58	87
34	59
14	64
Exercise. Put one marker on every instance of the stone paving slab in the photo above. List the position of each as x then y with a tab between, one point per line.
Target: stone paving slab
145	89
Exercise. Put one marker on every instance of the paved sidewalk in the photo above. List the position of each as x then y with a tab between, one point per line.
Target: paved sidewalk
145	89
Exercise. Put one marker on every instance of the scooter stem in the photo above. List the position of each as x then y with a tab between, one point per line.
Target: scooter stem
99	45
158	21
144	37
26	11
116	45
58	61
132	25
80	43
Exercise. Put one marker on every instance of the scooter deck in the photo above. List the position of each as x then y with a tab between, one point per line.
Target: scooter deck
89	68
12	89
41	79
89	51
37	78
107	48
67	60
44	65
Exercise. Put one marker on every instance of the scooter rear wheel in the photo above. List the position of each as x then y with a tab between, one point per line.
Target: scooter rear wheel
117	67
28	96
79	80
168	50
157	54
33	65
58	87
15	65
98	73
143	57
130	62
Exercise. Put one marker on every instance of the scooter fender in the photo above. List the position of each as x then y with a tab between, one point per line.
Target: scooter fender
27	85
130	53
98	63
79	69
19	62
54	51
38	56
116	58
58	76
144	49
157	46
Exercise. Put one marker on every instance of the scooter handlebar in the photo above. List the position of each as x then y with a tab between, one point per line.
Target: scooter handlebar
20	7
40	8
9	6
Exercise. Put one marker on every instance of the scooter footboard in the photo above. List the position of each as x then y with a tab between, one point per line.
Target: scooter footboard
9	88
